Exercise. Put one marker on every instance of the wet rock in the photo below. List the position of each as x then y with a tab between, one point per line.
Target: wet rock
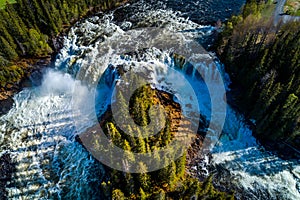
58	42
6	105
7	167
36	78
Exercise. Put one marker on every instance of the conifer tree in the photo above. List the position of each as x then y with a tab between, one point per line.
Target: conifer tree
7	50
17	25
141	146
143	177
7	36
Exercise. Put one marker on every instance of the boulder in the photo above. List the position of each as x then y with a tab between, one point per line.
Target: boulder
6	105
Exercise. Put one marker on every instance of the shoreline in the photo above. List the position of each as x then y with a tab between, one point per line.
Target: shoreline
7	166
32	64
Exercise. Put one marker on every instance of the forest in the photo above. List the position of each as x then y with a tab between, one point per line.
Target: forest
171	182
262	59
28	33
29	29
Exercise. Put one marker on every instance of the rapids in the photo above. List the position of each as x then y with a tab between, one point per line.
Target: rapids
39	131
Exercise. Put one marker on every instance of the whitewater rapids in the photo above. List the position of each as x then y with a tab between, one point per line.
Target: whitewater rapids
39	132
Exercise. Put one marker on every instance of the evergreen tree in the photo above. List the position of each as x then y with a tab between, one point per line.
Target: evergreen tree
143	177
141	146
7	50
263	62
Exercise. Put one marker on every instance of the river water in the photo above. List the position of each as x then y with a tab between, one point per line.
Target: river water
39	132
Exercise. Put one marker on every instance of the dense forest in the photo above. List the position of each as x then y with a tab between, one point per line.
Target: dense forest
171	182
28	32
29	29
262	59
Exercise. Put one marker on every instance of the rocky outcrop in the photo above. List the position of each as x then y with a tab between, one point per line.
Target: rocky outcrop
6	105
7	167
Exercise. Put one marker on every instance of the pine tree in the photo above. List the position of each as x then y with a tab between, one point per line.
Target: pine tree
57	19
143	177
180	165
26	13
8	51
17	25
141	146
7	36
129	156
167	133
115	135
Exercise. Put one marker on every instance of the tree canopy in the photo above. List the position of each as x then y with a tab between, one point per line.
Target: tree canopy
263	61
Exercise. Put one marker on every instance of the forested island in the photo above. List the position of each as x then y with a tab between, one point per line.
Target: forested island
30	31
172	182
261	57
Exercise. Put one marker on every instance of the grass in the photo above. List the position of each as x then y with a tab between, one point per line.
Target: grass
292	7
3	3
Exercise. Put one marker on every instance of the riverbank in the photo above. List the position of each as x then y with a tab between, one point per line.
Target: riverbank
258	56
21	70
16	75
10	89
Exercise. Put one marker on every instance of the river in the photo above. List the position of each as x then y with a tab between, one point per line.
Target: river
39	131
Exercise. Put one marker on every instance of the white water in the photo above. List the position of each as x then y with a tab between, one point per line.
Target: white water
39	131
39	135
261	173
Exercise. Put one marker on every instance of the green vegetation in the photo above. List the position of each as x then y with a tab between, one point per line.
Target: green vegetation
28	29
292	7
12	74
268	9
3	3
171	182
263	61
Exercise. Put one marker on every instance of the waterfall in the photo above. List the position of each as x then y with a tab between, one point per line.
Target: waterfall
39	132
252	168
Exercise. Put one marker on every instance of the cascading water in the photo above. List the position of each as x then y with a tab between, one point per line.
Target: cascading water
39	132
